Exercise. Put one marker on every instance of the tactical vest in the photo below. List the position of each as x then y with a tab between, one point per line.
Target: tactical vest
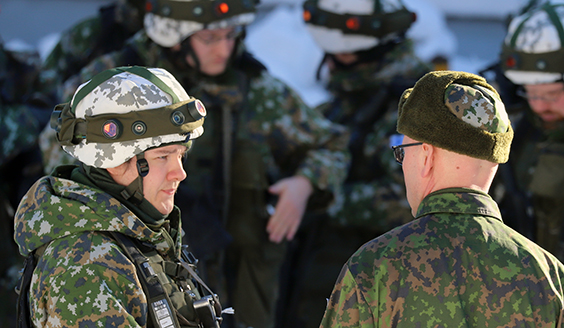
173	289
227	171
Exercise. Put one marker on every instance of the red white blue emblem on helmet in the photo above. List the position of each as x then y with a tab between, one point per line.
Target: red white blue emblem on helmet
201	108
111	129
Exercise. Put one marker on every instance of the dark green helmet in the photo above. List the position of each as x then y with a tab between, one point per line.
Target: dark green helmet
169	22
352	25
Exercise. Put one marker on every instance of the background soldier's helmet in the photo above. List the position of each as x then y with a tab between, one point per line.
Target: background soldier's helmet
353	25
169	22
124	111
533	49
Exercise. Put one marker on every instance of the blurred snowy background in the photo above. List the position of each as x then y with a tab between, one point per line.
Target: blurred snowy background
467	33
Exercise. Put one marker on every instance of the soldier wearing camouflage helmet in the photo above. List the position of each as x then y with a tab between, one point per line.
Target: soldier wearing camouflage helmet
269	154
104	235
529	186
370	63
456	264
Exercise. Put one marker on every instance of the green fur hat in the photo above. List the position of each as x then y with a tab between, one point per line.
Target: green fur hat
459	112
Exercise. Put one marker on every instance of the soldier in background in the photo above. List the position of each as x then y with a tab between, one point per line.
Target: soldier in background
80	44
20	161
370	63
529	186
267	155
456	264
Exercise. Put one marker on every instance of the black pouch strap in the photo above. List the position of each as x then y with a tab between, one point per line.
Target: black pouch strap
22	289
160	306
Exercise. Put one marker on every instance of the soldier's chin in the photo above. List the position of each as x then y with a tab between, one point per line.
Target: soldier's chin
215	69
551	118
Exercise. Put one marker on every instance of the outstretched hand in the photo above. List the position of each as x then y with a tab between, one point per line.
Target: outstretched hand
293	194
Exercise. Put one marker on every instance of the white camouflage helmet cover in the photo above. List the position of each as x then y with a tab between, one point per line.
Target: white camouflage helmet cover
168	31
333	40
537	34
123	93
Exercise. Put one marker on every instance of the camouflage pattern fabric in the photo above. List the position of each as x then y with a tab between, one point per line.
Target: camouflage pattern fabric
83	277
372	201
478	107
282	129
455	265
123	93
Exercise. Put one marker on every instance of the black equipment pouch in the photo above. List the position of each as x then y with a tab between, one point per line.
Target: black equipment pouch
161	311
160	306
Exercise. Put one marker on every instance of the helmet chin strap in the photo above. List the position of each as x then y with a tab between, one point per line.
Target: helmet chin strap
134	192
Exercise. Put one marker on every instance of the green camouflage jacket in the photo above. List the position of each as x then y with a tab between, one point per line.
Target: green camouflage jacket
83	277
455	265
365	99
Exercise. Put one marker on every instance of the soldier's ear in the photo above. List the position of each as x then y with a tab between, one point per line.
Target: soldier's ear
427	156
124	173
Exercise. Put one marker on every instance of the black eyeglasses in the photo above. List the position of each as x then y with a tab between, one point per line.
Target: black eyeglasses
400	154
210	38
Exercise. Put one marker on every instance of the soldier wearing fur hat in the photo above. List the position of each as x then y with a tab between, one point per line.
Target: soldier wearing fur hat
370	62
103	238
456	264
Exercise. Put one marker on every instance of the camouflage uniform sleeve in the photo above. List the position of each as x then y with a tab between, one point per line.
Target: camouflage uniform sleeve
68	56
347	306
98	65
299	129
98	287
150	57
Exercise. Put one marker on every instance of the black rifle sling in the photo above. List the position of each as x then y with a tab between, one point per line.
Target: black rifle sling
160	307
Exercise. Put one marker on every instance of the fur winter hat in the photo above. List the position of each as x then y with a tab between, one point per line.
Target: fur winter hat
459	112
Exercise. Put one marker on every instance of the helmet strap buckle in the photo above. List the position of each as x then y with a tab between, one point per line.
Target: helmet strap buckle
134	192
142	167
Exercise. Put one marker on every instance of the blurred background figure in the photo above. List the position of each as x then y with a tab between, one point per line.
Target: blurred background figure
370	63
77	46
529	186
20	162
